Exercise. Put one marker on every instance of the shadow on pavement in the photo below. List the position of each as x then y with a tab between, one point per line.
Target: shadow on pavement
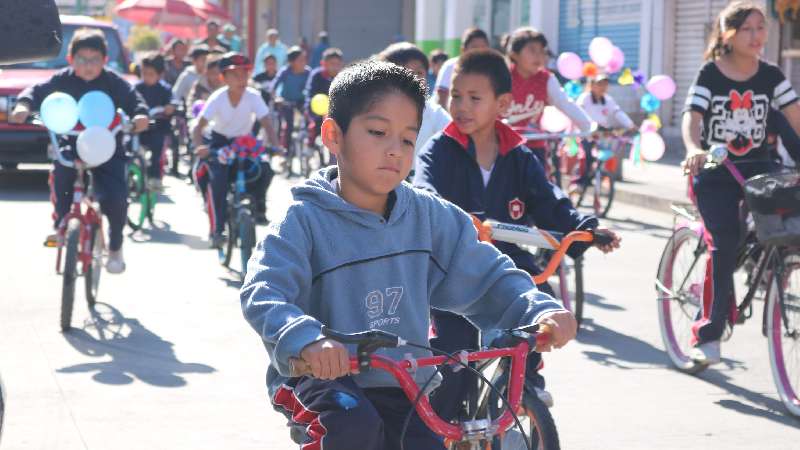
24	186
163	234
626	352
600	302
135	352
754	404
235	282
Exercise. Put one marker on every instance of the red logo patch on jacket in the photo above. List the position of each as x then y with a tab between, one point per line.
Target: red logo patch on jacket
516	208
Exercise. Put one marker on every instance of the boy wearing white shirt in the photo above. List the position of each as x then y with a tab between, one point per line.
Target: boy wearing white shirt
231	111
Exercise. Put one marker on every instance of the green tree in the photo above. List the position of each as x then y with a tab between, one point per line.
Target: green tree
144	38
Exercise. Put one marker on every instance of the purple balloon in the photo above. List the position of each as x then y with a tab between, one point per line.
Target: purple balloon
197	108
661	86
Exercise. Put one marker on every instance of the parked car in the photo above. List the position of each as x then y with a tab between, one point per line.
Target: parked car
29	143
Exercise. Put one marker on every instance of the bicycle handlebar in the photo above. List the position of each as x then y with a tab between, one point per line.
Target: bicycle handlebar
536	135
491	230
520	341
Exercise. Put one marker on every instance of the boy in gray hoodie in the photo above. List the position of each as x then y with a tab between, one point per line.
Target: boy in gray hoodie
360	249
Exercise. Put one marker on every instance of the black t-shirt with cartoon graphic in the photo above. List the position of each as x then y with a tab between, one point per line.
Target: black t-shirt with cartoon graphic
735	112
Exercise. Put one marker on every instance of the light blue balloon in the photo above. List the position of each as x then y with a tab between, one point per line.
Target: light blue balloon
59	112
573	89
95	109
605	154
650	103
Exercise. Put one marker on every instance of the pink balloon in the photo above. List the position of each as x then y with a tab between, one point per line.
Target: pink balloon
648	126
553	120
601	51
652	146
570	65
617	61
661	86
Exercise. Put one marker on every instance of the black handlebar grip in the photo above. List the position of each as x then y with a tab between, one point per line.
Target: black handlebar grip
602	239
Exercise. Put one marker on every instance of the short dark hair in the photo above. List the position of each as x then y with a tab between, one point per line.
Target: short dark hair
471	34
270	56
213	22
89	39
489	63
522	37
332	52
439	56
154	61
175	42
294	52
401	53
198	51
362	84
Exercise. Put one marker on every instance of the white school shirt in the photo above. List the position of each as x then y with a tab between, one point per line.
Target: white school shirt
434	119
234	122
608	114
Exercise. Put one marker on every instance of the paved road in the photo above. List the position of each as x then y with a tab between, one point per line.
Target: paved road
167	362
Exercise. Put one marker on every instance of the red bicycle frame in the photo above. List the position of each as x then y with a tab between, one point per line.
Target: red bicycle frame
87	220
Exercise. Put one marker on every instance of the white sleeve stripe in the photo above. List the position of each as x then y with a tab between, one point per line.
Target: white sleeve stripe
786	98
782	93
697	101
781	88
700	91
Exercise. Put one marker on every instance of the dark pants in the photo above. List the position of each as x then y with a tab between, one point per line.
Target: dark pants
455	333
110	190
339	415
286	114
154	141
718	199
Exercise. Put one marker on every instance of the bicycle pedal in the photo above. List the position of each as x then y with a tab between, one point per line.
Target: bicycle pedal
51	241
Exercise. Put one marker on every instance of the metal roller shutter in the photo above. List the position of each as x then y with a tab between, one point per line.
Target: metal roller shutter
362	28
693	23
618	20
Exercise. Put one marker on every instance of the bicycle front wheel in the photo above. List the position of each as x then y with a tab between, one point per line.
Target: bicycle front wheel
137	195
603	194
680	286
783	331
247	238
95	267
70	273
538	427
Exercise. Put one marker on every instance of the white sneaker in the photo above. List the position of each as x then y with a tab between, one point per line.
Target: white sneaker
707	353
115	262
544	396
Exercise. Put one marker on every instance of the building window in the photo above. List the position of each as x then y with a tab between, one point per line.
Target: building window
501	20
619	20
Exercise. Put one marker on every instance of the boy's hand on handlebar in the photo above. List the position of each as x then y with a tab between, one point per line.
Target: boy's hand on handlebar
694	162
327	359
608	248
563	328
140	123
201	151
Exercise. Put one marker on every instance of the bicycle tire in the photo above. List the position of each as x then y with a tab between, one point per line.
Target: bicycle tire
541	432
70	273
137	195
247	238
606	192
95	267
2	407
563	287
151	206
676	343
785	370
579	293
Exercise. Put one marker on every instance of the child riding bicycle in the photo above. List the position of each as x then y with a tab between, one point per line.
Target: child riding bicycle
482	165
359	249
728	106
287	89
231	112
158	94
88	53
319	82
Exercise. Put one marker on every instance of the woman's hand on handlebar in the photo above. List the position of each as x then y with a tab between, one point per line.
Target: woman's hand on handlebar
604	245
694	162
563	328
201	151
327	359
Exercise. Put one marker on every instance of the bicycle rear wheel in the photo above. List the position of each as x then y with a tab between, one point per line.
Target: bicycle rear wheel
70	273
137	194
603	193
783	331
225	253
95	267
680	286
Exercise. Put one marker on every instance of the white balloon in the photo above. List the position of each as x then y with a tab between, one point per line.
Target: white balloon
96	145
601	50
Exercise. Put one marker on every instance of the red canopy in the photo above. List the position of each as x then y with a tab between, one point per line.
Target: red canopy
182	18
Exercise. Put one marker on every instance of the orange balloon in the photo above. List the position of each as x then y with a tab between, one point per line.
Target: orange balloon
589	70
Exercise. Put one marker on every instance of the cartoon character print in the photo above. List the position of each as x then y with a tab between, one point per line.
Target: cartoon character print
740	124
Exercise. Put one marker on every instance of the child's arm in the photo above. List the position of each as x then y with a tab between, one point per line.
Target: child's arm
278	281
200	149
127	98
559	99
31	99
483	285
619	115
262	112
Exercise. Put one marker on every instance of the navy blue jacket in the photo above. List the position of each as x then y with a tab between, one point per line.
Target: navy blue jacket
518	190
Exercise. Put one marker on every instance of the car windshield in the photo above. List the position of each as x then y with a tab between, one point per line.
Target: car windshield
116	58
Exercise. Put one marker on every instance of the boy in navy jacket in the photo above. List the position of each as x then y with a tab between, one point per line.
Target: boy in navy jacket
158	95
482	165
88	54
360	249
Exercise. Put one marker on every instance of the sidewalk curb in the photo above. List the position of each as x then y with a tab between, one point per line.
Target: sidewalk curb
648	201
